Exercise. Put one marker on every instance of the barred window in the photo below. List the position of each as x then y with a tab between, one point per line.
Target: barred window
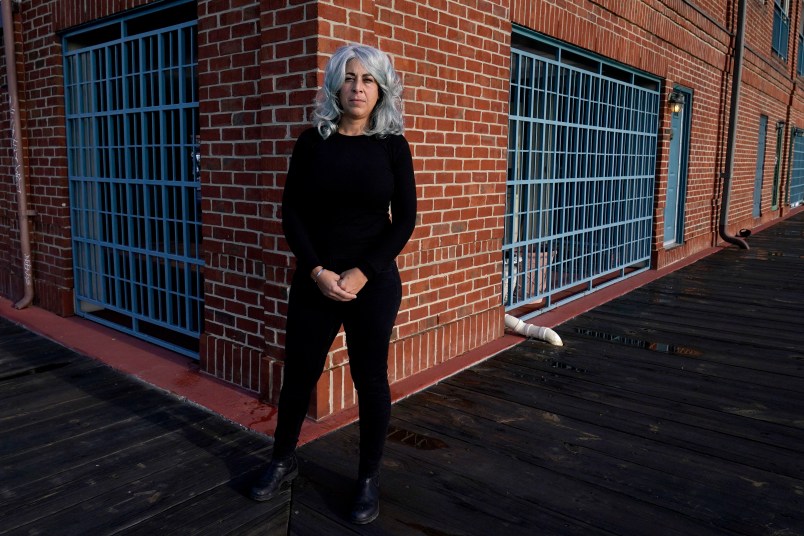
581	166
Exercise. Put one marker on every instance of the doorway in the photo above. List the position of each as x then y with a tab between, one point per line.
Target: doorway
756	211
680	102
131	95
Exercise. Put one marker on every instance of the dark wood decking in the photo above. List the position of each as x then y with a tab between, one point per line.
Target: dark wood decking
677	409
88	451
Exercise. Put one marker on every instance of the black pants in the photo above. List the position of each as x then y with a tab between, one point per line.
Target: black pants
313	322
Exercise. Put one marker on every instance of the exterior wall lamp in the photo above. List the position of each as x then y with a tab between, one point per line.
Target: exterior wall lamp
676	100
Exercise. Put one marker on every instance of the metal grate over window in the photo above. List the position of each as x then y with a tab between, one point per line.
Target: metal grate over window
795	196
581	167
132	130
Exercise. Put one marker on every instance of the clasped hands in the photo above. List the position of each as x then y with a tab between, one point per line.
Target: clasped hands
340	287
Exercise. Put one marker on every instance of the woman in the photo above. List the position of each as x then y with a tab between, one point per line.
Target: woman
344	174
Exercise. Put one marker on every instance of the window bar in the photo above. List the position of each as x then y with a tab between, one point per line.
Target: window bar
168	127
107	120
93	155
129	153
148	139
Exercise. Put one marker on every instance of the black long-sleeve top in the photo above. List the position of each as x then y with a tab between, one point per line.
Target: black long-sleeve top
335	206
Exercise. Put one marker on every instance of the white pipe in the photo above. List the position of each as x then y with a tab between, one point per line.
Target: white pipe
535	332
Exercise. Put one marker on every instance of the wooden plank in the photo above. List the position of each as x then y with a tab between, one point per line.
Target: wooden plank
66	405
637	415
165	430
774	400
732	423
183	480
30	355
731	331
728	315
140	482
732	314
24	390
18	344
48	397
58	428
424	495
700	487
79	437
72	458
672	344
221	511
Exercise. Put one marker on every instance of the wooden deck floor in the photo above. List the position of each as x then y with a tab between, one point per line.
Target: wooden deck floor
86	451
677	409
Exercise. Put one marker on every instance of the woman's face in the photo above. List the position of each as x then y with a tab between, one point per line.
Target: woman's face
359	92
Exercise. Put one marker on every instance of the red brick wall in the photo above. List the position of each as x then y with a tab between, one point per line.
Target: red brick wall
691	45
682	45
453	58
64	14
288	82
456	112
229	45
770	87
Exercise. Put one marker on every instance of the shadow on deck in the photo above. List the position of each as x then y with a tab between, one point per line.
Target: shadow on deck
677	408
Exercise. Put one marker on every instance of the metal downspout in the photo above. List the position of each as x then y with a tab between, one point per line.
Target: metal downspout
16	144
739	47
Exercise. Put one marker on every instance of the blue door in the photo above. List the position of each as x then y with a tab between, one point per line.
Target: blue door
132	128
763	128
795	194
677	172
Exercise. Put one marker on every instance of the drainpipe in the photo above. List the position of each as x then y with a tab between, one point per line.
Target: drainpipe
16	144
739	47
533	332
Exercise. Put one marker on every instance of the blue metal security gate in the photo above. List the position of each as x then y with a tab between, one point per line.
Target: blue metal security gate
581	166
795	194
132	125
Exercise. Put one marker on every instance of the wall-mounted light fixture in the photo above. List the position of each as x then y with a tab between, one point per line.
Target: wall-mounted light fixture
676	100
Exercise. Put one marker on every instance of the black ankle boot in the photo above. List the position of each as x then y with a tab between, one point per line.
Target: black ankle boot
367	500
278	472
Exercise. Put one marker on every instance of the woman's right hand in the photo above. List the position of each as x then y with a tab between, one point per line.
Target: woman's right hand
328	285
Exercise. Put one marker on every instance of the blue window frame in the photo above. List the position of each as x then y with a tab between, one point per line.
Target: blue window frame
132	128
581	166
781	28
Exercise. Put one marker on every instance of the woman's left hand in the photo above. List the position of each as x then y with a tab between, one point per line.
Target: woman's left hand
352	280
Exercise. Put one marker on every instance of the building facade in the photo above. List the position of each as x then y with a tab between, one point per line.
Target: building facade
559	147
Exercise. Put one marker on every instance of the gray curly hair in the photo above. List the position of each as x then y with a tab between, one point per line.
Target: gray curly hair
386	118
